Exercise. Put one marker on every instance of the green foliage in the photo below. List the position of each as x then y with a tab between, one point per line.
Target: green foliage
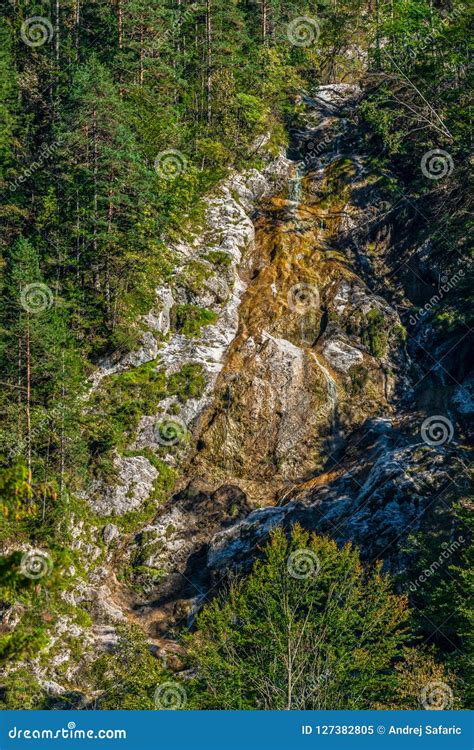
441	587
325	638
374	335
16	494
89	217
189	319
418	101
8	86
127	678
359	376
189	382
400	333
116	409
219	258
22	692
164	483
449	320
33	597
382	122
28	637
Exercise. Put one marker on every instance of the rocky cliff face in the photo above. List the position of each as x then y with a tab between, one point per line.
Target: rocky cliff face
192	325
310	401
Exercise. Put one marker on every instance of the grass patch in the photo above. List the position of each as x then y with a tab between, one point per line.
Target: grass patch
189	319
115	411
219	258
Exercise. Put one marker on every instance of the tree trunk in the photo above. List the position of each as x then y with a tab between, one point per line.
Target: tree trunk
56	34
62	448
377	36
96	200
209	60
28	398
20	388
141	55
120	24
77	18
264	21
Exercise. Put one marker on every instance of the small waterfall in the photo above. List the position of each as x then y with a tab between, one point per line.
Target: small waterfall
295	185
331	389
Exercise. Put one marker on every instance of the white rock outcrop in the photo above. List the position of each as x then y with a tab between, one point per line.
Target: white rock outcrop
340	355
136	476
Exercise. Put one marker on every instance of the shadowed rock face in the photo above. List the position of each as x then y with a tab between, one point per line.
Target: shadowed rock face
310	410
400	486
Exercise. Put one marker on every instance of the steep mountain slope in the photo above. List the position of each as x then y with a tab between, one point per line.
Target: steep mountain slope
276	384
312	415
235	294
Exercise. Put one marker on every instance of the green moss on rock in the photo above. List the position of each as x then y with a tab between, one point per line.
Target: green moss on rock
373	335
189	319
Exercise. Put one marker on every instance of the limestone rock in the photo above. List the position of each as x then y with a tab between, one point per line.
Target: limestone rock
109	533
158	318
341	355
136	476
